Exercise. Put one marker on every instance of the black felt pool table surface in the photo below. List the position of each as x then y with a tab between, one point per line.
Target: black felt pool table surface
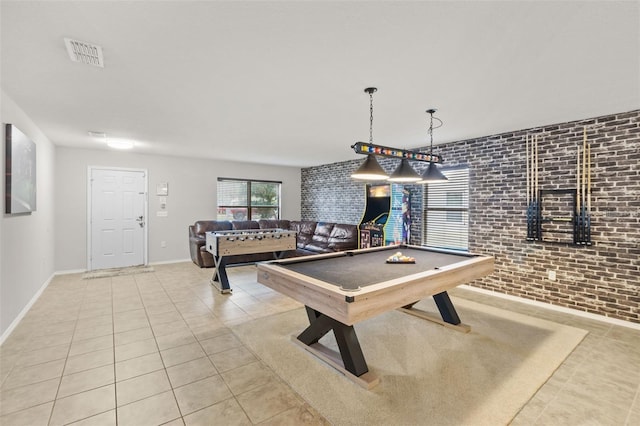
364	268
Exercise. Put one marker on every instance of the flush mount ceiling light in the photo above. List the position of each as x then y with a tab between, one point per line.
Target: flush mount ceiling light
120	143
432	174
111	142
370	169
87	53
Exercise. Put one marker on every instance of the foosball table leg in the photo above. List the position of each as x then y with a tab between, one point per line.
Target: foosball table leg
220	279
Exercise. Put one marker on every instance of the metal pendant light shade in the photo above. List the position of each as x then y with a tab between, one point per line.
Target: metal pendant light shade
404	173
432	174
370	170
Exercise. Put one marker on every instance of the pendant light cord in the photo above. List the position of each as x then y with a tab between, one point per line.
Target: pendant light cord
431	135
371	117
370	91
431	112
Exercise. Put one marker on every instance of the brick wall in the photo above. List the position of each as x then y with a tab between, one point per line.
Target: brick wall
603	278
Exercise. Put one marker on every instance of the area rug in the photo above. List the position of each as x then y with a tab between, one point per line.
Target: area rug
429	374
114	272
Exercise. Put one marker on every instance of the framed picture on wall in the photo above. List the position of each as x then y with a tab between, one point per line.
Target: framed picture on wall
20	172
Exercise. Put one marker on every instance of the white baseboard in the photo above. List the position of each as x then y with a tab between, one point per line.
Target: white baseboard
556	308
82	271
70	271
24	311
166	262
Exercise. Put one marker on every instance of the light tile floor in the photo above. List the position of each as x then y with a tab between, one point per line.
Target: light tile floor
156	348
144	349
598	383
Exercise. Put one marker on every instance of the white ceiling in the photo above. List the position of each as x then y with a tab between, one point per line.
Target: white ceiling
283	82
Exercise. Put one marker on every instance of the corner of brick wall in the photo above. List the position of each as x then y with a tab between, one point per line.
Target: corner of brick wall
603	278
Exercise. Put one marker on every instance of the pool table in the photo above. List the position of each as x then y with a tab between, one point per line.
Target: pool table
341	289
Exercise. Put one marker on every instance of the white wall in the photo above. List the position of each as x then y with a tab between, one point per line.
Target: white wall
27	249
54	237
192	196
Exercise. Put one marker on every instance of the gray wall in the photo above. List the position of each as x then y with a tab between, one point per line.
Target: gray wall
26	252
192	196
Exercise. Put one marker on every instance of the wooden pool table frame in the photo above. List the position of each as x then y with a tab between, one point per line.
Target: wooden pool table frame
330	308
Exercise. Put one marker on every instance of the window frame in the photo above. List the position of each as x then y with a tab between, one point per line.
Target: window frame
464	210
249	205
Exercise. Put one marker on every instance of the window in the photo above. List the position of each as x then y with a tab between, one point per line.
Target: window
240	199
446	211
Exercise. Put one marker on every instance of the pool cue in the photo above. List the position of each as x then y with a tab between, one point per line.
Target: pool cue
576	226
588	218
533	188
536	212
529	218
527	161
584	182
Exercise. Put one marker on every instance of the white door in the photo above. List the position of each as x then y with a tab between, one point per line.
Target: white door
117	218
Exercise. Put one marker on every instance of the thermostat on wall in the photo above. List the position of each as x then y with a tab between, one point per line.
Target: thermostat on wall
162	188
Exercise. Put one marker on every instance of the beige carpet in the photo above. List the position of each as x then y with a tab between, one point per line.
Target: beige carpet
429	374
114	272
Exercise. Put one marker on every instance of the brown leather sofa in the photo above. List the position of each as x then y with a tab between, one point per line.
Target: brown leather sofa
312	238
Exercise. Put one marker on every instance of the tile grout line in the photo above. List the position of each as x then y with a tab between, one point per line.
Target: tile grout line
156	342
636	400
204	351
275	375
573	373
75	327
113	329
233	395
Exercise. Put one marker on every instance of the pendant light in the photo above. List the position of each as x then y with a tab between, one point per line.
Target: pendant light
370	169
404	173
432	174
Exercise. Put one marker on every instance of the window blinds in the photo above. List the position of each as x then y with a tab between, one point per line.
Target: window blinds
446	211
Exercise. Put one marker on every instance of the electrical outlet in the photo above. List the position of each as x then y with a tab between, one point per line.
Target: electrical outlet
163	244
552	275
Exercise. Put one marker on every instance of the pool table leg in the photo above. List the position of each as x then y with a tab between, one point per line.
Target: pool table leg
446	308
448	313
348	344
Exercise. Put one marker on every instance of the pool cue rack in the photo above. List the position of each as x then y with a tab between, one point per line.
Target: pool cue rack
579	203
534	219
582	223
556	225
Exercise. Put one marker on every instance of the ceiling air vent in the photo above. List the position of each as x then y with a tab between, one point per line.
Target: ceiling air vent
80	51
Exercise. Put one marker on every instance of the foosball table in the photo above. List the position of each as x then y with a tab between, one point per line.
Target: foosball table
222	244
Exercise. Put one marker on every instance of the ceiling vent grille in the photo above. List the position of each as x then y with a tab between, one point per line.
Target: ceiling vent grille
80	51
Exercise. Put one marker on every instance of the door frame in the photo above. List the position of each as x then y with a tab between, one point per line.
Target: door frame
145	237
